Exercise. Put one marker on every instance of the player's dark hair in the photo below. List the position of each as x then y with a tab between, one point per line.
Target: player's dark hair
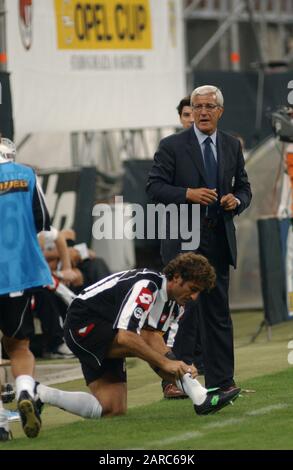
192	267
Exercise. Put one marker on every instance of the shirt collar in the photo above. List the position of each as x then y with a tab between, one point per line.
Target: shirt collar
201	137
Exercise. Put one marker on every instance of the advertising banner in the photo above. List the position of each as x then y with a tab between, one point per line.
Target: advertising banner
94	65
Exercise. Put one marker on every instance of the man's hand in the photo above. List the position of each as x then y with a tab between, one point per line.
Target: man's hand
203	196
178	368
229	202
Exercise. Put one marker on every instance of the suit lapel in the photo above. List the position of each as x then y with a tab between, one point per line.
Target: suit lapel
194	152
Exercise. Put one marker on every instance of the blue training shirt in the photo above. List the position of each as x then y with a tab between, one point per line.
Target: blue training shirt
22	264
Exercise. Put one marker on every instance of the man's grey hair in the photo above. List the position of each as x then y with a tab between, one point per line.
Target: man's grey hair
206	90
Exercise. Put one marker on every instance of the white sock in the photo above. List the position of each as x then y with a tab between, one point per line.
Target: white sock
196	392
79	403
24	382
3	418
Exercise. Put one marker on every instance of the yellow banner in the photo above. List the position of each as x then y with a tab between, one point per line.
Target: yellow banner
106	24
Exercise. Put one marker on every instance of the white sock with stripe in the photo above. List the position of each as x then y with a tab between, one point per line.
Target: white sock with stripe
24	382
196	392
79	403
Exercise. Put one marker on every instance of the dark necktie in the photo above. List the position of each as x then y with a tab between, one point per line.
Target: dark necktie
211	168
210	164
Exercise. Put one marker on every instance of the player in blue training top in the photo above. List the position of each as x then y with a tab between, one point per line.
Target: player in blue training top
23	268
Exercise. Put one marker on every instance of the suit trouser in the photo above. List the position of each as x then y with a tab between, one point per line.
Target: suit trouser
187	344
217	334
215	322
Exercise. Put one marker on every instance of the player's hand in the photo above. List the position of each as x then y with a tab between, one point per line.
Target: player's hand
203	196
192	370
176	368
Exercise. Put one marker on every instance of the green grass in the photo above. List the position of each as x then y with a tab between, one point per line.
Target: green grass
261	420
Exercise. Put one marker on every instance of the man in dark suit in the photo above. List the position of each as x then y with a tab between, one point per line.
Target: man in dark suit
202	165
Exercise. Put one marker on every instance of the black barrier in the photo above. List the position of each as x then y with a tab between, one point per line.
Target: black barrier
6	121
70	197
240	98
134	191
273	237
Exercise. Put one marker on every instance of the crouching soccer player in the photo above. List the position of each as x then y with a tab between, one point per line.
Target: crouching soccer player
125	315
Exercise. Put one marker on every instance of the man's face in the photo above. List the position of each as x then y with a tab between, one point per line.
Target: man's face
182	291
186	117
206	120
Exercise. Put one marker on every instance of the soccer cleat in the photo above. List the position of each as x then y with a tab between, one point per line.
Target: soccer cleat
215	401
7	393
228	389
5	435
61	352
38	402
30	417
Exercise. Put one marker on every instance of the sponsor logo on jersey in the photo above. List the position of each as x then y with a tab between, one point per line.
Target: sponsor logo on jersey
144	298
13	186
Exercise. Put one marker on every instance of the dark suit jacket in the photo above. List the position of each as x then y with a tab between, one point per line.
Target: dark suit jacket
178	165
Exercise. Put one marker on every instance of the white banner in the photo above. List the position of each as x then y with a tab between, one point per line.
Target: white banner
94	65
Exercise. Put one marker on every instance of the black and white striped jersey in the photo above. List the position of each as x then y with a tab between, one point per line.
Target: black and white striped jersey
130	300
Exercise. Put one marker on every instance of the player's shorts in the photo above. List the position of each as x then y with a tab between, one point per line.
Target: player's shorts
90	340
16	319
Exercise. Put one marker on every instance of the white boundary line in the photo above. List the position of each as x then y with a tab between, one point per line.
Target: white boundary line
217	424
